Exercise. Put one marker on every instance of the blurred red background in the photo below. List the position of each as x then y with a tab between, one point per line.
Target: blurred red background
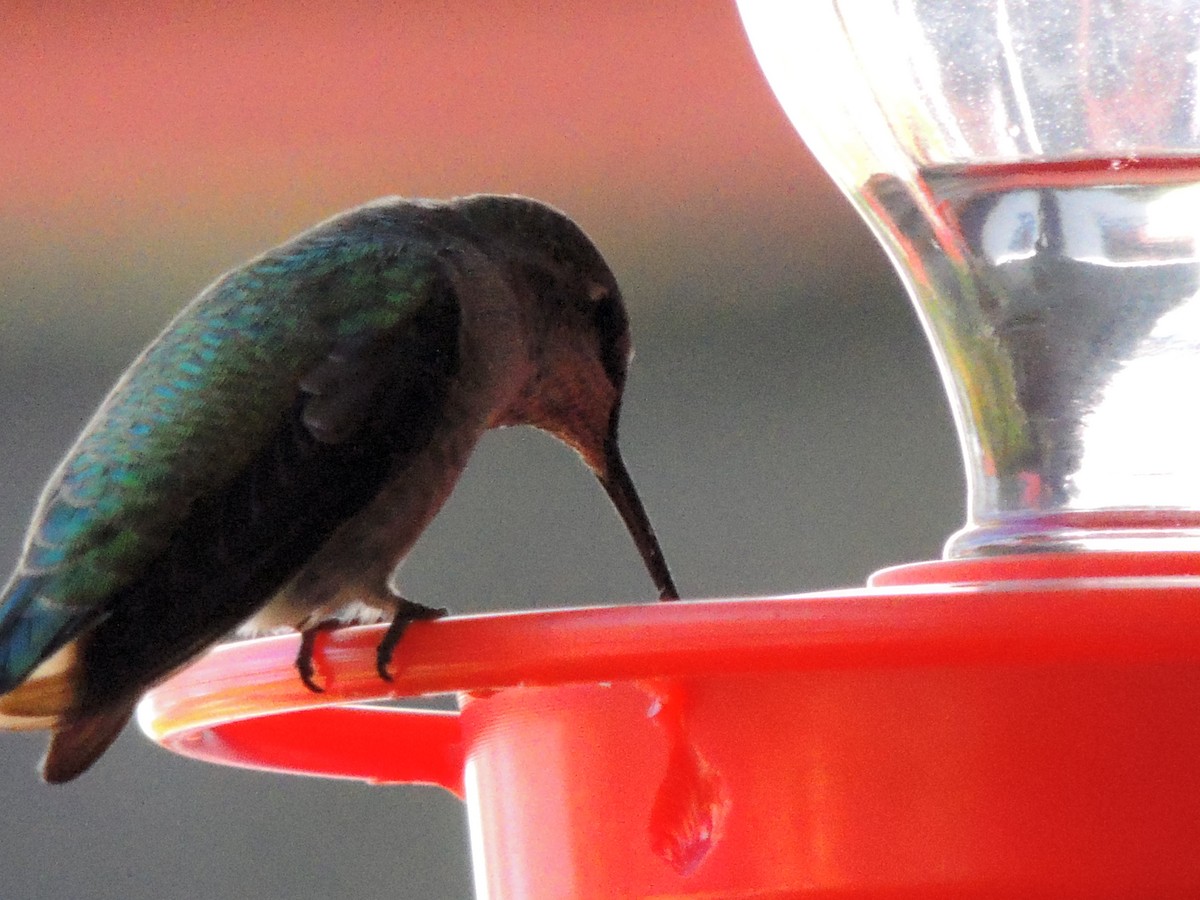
127	116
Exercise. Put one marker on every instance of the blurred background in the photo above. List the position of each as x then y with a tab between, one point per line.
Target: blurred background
784	421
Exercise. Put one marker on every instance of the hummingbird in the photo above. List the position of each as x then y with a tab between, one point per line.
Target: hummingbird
272	456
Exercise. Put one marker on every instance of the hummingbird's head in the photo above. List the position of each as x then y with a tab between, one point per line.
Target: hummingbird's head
579	350
579	344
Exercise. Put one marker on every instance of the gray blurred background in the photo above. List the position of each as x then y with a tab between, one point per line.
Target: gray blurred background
784	421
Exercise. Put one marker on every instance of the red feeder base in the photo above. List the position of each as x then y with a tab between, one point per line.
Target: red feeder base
1025	726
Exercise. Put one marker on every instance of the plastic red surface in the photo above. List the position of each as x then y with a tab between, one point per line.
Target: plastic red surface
1032	727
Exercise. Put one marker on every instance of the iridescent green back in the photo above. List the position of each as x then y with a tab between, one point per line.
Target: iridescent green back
201	400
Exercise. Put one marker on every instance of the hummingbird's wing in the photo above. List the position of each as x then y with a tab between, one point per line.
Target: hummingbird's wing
193	468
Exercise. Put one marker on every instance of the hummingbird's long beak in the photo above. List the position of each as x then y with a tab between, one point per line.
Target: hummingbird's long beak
617	483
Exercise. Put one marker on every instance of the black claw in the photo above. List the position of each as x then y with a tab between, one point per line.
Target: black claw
304	659
407	612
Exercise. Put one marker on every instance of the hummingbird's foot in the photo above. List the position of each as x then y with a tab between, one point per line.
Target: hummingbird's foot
407	612
308	644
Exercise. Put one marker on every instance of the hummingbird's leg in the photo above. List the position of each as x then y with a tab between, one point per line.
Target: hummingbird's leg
407	612
308	644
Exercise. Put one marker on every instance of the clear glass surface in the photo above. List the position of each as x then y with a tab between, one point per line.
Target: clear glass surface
1033	170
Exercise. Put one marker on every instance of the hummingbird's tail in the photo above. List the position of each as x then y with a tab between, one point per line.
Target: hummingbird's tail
45	696
38	665
40	678
79	742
